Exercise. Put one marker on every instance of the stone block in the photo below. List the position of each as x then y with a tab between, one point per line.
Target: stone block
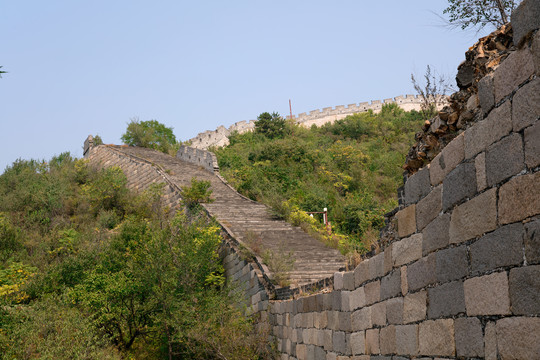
526	105
465	75
320	354
406	221
502	247
504	159
328	338
447	160
487	295
525	18
348	280
378	314
404	283
336	300
452	264
407	250
361	273
446	300
458	185
344	320
428	208
480	165
372	341
391	284
486	132
339	343
519	198
414	307
525	290
518	338
357	299
387	337
358	342
373	292
394	311
490	341
535	49
532	145
436	337
338	280
407	340
474	217
388	262
361	319
436	234
417	186
301	351
469	338
345	295
376	266
486	93
422	273
532	241
333	321
512	72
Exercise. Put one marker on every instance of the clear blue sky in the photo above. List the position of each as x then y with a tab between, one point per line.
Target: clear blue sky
87	67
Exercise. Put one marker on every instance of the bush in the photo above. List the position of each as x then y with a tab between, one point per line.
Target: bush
270	125
150	134
199	192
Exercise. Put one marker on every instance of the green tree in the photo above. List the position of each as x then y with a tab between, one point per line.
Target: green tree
270	125
465	13
150	134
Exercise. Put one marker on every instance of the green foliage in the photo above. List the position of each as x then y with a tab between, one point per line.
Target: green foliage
107	190
199	192
97	140
270	125
150	134
352	167
465	13
2	72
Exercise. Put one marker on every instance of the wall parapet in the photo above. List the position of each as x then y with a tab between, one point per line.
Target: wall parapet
200	157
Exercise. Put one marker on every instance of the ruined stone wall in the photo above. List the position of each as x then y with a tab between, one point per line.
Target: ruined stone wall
219	137
461	278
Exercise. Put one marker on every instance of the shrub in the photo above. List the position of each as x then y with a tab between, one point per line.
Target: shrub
199	192
150	134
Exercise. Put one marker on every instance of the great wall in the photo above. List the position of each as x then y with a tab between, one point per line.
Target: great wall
458	271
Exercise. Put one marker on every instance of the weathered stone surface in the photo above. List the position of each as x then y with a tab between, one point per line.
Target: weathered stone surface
519	198
535	49
339	342
512	72
465	75
358	342
338	280
373	292
532	241
336	300
486	132
474	217
357	299
361	319
526	108
446	300
428	208
372	341
504	159
487	295
436	337
394	311
406	221
486	93
422	272
348	280
388	262
525	290
407	339
376	266
361	273
378	314
447	160
469	338
452	264
436	235
525	18
518	338
458	185
417	186
344	319
407	250
480	165
391	284
532	145
388	340
414	307
404	283
502	247
490	341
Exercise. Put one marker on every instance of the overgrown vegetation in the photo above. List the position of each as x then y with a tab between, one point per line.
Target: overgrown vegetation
352	167
479	13
151	134
89	270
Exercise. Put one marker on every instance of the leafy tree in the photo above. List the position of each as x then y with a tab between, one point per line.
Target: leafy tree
465	13
270	125
150	134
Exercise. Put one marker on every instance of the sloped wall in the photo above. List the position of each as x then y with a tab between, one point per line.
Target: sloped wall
462	278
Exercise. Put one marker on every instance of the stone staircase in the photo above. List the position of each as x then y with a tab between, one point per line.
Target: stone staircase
247	221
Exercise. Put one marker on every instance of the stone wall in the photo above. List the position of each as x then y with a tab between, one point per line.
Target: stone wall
462	277
219	137
204	158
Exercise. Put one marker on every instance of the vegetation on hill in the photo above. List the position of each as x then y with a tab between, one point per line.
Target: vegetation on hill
352	167
89	270
150	134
